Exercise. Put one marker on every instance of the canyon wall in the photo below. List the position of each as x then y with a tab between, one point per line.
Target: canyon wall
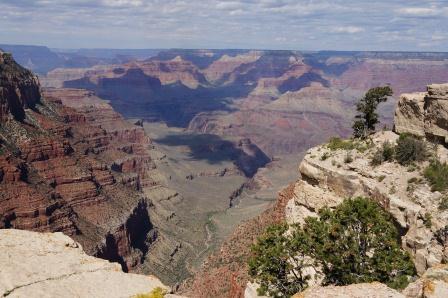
69	163
326	178
283	101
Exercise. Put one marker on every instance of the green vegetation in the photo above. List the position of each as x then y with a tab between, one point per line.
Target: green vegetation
427	220
443	205
356	242
381	178
367	117
409	149
156	293
437	175
325	156
350	144
348	158
385	153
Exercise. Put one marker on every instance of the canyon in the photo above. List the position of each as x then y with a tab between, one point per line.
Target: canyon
186	155
326	177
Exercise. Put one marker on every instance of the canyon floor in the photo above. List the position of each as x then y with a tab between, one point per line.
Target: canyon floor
216	196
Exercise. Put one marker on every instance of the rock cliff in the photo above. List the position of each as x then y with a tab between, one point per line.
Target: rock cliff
329	174
69	163
424	114
19	89
53	265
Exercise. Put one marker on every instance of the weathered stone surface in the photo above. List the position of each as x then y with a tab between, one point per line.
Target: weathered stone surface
327	181
57	174
433	284
424	114
53	265
19	89
365	290
410	114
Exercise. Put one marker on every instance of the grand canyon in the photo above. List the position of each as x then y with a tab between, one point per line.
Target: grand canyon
173	162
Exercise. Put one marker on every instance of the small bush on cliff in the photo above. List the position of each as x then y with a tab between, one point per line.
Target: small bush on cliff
367	117
156	293
355	243
385	153
409	149
336	143
437	175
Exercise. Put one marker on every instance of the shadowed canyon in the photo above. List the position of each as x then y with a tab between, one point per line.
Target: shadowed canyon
171	162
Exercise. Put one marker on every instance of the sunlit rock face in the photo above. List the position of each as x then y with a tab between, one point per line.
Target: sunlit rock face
69	163
53	265
424	114
283	101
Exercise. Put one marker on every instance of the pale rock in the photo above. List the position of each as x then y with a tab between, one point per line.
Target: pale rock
364	290
326	182
410	114
433	284
53	265
251	291
424	114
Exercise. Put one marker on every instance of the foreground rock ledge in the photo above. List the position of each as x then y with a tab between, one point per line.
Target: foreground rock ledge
365	290
53	265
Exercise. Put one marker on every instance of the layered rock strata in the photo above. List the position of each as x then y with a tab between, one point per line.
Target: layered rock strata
71	164
424	114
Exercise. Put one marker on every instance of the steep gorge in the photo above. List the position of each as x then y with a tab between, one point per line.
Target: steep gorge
69	163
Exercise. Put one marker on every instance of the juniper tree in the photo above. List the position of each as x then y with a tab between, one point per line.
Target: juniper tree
354	243
367	117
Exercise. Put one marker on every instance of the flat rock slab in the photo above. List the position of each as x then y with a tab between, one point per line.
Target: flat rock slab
364	290
53	265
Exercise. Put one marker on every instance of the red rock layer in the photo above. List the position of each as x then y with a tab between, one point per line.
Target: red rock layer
74	165
19	89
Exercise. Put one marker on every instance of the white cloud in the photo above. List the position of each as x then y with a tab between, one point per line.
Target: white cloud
228	5
418	11
347	29
307	24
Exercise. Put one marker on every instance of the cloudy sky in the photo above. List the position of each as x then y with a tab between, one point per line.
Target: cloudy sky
406	25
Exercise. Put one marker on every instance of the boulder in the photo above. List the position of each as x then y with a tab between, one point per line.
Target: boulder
433	284
424	114
410	114
53	265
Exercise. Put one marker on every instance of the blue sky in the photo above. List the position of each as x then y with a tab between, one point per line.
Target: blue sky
403	25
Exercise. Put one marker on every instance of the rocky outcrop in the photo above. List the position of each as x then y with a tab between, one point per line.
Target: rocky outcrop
326	181
433	284
74	165
424	114
53	265
371	290
19	89
329	176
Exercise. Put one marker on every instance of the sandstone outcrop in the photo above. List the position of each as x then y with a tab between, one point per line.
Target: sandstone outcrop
327	181
433	284
424	114
329	176
53	265
366	290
